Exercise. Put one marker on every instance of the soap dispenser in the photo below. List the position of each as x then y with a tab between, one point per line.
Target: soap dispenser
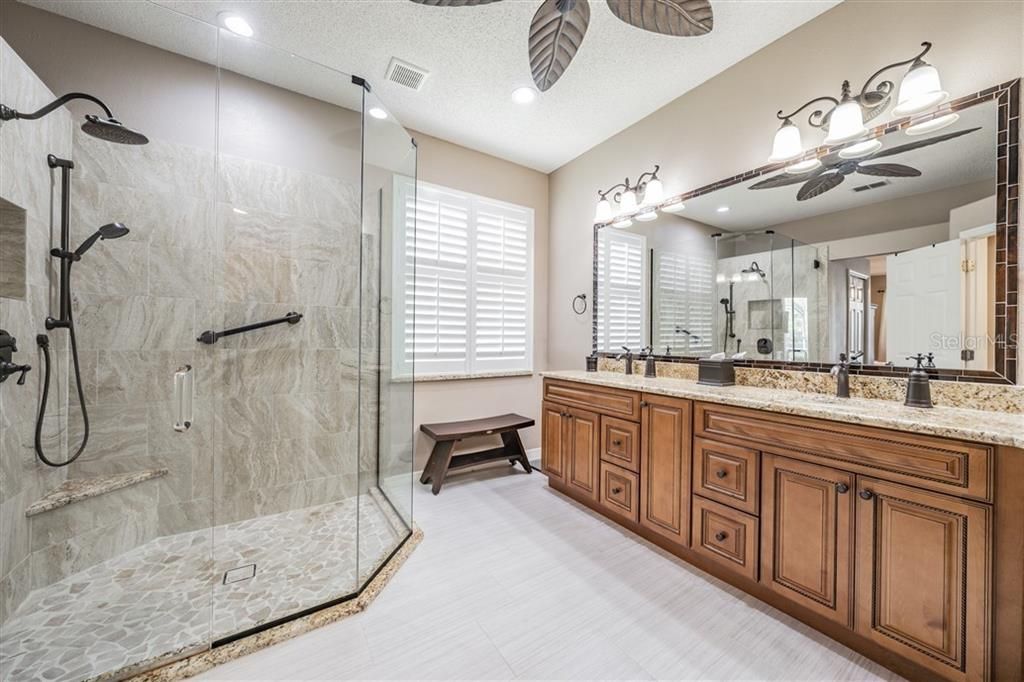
919	392
650	368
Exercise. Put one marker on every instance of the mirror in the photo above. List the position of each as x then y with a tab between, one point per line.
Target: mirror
887	250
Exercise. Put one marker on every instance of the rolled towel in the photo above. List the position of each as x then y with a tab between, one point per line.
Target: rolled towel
717	356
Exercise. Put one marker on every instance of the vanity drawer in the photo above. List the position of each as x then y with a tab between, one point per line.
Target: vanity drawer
727	473
620	443
610	401
941	464
620	490
726	536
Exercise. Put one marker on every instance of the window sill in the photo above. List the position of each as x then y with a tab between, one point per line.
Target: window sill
425	378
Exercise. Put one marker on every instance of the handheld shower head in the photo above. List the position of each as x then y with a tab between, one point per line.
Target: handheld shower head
109	231
112	130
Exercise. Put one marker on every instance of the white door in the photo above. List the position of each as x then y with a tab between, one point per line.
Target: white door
923	301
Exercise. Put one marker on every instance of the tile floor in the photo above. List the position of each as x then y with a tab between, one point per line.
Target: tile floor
514	581
167	595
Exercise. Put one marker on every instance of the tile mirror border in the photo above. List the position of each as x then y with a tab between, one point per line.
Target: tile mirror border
1008	101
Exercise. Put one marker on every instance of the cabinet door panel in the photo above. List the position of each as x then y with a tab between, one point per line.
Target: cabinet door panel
582	472
554	441
665	467
807	535
923	576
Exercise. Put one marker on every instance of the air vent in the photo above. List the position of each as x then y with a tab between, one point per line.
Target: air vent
404	73
872	185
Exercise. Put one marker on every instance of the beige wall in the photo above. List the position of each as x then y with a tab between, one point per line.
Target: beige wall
725	126
453	166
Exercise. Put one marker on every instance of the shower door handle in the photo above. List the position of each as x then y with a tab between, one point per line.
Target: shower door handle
183	398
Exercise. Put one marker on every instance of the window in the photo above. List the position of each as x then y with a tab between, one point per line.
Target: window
464	290
622	277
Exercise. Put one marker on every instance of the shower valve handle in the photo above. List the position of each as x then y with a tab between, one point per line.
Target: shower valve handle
9	368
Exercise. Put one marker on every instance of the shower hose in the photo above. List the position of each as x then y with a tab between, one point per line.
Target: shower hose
44	344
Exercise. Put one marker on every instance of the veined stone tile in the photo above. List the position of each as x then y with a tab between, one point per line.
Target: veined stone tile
134	323
244	275
64	523
138	376
317	283
180	272
114	430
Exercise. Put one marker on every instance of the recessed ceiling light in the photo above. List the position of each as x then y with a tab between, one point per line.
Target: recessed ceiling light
236	24
803	166
932	125
622	223
524	95
855	151
647	216
377	113
722	209
240	211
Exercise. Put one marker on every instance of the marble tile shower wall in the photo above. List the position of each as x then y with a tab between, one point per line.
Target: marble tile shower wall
25	182
276	412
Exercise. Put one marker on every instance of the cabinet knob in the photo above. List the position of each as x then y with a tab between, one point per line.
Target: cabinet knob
842	488
866	494
644	403
721	535
617	443
616	490
721	473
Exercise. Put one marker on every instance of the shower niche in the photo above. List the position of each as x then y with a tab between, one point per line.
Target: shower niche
292	485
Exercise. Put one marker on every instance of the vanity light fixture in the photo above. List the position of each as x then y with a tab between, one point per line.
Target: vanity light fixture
619	202
855	151
843	119
236	24
803	166
675	207
932	125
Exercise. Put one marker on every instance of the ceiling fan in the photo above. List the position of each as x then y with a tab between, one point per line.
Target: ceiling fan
558	27
834	169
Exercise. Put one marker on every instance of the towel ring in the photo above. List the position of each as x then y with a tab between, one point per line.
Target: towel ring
582	298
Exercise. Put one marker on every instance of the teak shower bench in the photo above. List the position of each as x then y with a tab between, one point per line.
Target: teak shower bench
447	434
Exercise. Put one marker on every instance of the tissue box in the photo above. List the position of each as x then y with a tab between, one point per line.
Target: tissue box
716	372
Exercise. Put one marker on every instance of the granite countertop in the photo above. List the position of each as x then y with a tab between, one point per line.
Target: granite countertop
76	490
994	428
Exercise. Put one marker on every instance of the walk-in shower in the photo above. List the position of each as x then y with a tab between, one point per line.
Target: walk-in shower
291	485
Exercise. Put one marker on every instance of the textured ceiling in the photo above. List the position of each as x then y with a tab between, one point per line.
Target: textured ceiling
476	56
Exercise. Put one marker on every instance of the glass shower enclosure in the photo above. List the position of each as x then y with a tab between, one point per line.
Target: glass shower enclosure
232	481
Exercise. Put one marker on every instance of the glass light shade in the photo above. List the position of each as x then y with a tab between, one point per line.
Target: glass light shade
846	123
647	216
803	166
674	207
920	90
932	125
654	192
623	223
856	151
787	144
604	211
627	202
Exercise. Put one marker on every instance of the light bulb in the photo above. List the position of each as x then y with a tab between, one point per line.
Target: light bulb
604	211
236	24
787	144
627	202
647	216
856	151
846	123
932	125
920	90
654	192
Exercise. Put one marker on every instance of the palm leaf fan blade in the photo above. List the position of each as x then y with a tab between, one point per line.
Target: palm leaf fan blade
889	170
682	18
927	142
784	179
555	38
819	185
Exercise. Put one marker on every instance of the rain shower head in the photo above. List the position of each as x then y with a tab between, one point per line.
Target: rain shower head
109	128
109	231
112	130
754	268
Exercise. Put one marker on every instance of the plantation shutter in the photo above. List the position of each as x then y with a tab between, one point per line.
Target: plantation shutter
622	277
683	303
464	282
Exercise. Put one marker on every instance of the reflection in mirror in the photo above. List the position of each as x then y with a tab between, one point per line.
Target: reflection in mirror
881	253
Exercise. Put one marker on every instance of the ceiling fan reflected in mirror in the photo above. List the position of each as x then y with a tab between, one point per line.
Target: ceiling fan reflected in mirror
558	27
834	168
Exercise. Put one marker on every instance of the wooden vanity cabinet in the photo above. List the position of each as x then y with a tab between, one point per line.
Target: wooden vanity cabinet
666	439
571	445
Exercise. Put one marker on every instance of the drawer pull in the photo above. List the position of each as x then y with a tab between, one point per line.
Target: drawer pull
842	488
866	494
721	473
617	443
616	490
721	535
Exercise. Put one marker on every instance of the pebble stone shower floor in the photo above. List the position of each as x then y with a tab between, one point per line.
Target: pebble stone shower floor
168	595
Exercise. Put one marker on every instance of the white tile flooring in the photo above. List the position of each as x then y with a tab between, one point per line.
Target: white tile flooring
514	581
